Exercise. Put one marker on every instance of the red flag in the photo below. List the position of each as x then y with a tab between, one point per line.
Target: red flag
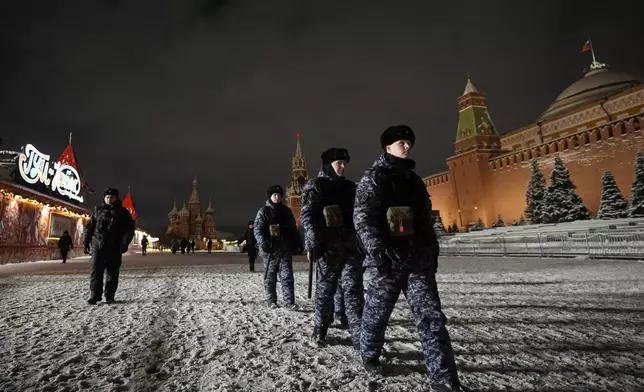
128	203
587	46
68	157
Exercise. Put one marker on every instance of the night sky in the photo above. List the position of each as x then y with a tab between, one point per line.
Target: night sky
158	91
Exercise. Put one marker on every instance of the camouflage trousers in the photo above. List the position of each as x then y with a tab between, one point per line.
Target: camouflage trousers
421	292
338	300
279	262
329	273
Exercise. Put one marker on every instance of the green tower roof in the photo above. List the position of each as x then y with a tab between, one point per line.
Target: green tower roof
473	117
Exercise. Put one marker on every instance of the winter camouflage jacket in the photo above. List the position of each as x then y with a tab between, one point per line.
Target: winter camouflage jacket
109	226
275	224
327	191
409	241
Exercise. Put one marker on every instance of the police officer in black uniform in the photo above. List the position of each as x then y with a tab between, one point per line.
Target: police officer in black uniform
107	236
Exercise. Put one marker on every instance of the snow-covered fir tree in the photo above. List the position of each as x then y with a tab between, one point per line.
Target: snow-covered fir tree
522	221
479	224
535	194
500	222
612	204
637	190
562	203
438	226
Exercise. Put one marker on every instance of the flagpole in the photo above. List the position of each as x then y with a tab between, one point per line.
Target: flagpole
592	50
70	138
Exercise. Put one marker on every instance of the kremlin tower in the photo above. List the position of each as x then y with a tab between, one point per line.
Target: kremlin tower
298	179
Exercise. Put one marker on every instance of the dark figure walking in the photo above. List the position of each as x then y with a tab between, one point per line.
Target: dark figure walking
65	244
209	245
251	245
109	232
278	238
144	245
193	244
327	218
184	245
393	219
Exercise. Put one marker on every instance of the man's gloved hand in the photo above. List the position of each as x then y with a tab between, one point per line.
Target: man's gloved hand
124	249
86	249
382	262
319	251
266	247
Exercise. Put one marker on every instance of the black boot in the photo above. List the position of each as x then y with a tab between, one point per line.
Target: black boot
319	334
372	365
93	300
342	319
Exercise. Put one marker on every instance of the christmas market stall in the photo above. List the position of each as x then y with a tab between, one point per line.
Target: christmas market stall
40	199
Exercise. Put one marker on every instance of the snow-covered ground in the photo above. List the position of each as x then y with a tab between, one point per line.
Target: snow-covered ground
516	325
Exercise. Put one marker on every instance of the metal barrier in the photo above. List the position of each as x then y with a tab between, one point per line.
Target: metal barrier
607	244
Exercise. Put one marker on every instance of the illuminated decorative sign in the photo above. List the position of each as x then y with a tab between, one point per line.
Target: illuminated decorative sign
35	167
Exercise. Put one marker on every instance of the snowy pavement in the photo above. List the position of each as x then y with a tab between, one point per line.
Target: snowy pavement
197	323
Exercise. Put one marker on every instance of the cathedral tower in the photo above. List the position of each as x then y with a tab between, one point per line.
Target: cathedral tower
209	222
298	179
476	140
190	222
184	224
194	208
173	218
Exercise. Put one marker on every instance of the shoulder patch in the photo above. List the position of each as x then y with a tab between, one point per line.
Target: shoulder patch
363	197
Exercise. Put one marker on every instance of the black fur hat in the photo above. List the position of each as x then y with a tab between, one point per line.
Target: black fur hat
397	132
275	189
335	154
111	191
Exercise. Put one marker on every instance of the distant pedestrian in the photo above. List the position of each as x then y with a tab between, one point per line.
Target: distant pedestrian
251	245
144	245
65	243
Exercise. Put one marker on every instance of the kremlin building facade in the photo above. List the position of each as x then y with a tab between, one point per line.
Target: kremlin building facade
594	125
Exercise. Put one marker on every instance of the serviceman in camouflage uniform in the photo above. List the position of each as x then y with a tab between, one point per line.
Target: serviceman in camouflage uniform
278	238
108	234
394	221
327	218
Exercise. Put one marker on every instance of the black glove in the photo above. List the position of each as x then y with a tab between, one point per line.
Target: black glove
86	249
382	262
266	247
124	249
319	251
